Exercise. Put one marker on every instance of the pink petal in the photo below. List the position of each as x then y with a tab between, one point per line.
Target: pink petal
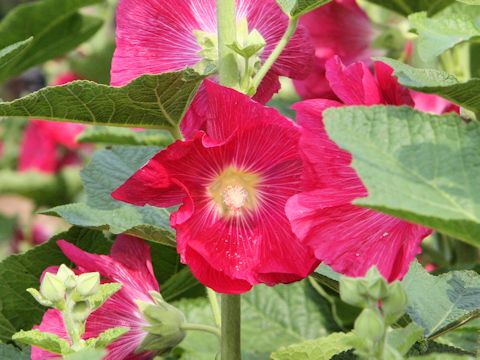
138	280
432	103
52	322
63	133
270	21
354	84
269	87
38	150
351	239
155	36
339	28
393	93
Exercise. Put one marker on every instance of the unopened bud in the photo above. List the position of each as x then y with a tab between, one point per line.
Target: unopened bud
165	325
88	284
80	311
377	289
350	292
52	288
369	324
67	276
393	306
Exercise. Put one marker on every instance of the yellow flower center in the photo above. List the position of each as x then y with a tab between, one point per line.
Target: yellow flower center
234	191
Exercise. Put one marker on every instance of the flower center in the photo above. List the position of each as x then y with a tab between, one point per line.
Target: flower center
234	197
234	191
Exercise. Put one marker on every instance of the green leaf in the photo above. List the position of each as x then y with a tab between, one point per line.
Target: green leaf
9	53
151	101
181	284
107	337
55	26
437	82
271	317
441	303
106	135
108	170
87	354
440	33
319	349
297	8
442	357
416	166
47	341
466	337
18	309
407	7
10	352
470	2
402	339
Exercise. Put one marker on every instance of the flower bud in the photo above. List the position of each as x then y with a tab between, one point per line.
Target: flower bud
165	325
80	311
377	289
369	324
52	288
350	292
67	276
88	284
393	306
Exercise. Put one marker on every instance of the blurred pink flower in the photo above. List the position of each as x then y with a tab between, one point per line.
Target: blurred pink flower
233	183
48	146
39	235
128	264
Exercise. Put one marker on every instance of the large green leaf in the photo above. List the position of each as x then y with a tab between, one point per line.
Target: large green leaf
55	26
441	303
151	101
416	166
108	135
319	349
271	317
438	82
407	7
10	352
440	33
18	309
108	170
9	53
297	8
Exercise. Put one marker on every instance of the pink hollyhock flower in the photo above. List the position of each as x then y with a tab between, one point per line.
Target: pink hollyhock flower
128	264
233	183
47	146
349	238
157	36
339	28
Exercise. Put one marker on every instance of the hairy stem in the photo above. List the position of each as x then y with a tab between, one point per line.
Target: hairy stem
230	347
227	34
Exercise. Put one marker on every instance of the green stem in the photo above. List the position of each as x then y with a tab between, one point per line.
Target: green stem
201	327
227	35
212	298
292	27
230	347
71	326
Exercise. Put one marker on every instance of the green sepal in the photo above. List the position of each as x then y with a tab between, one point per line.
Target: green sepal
104	293
107	337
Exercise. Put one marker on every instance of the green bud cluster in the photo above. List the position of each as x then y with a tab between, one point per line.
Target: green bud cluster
247	49
164	325
76	297
383	304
